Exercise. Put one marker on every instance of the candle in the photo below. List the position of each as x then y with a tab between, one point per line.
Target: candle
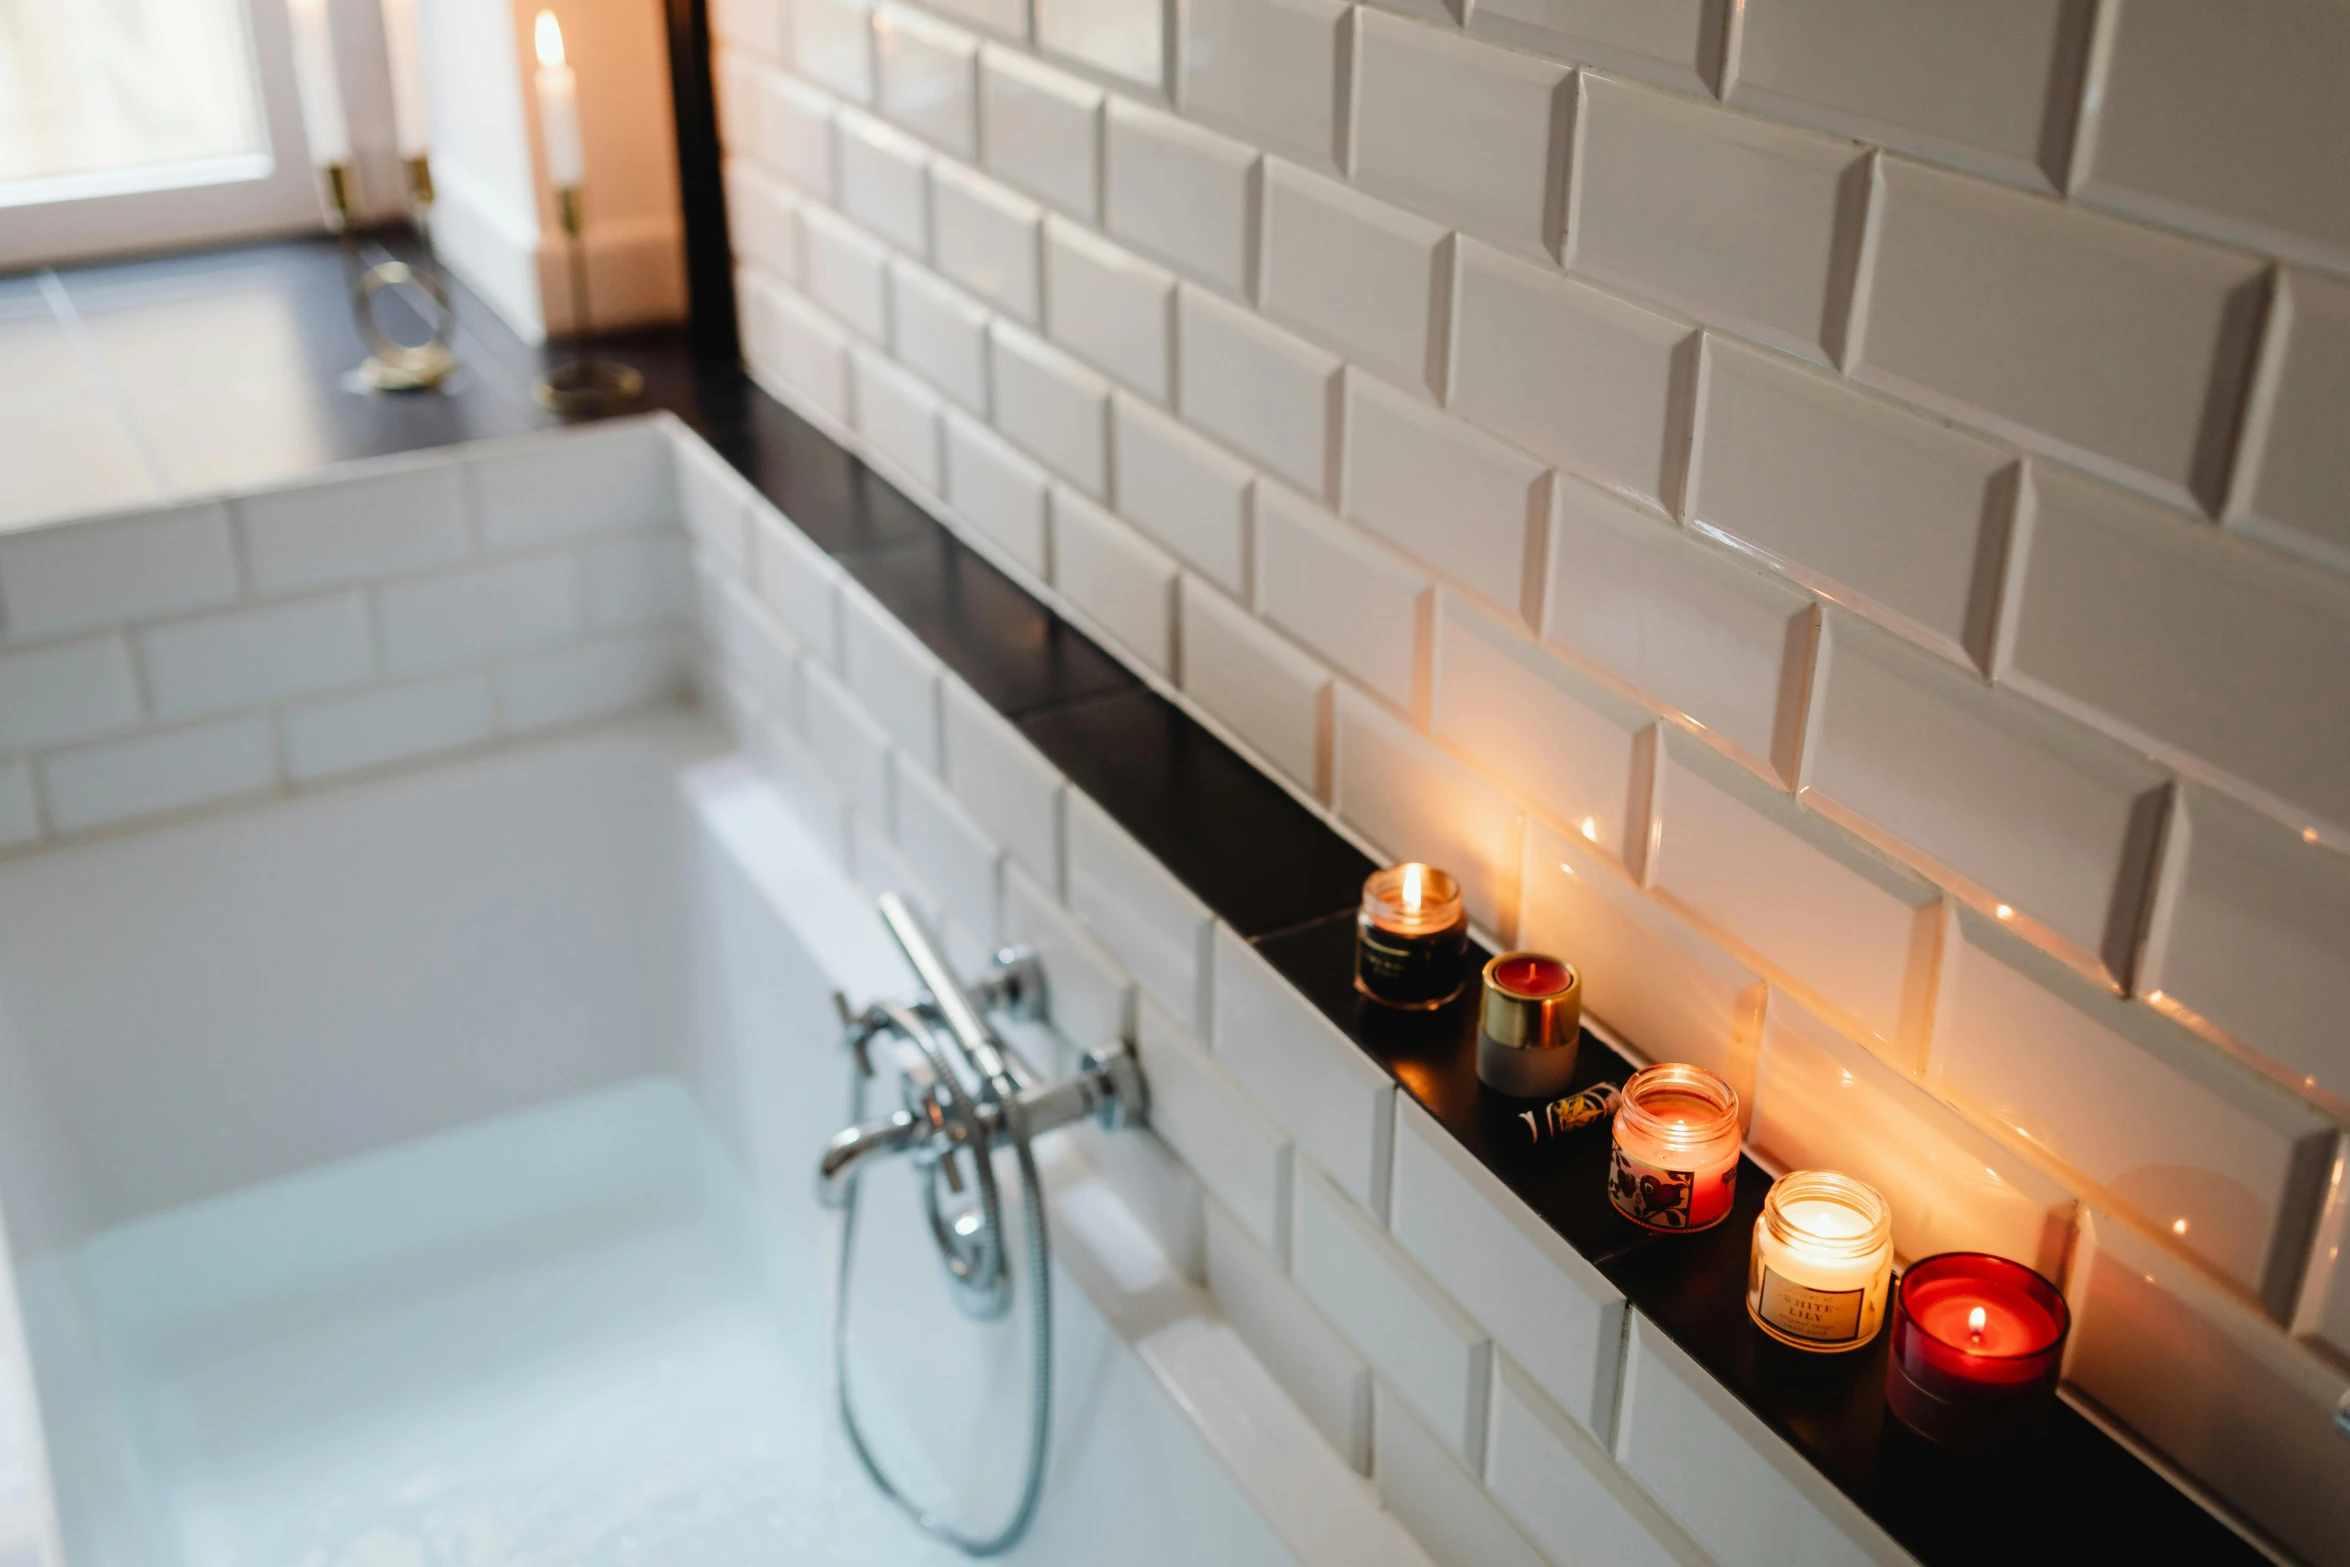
1823	1257
1411	937
558	90
317	86
405	47
1675	1158
1977	1342
1529	1024
1572	1113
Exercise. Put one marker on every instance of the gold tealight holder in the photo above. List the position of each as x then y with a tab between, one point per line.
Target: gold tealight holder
587	384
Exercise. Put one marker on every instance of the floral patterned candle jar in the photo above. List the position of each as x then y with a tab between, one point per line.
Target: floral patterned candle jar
1675	1164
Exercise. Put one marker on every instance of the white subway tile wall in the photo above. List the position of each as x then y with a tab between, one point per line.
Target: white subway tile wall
1782	536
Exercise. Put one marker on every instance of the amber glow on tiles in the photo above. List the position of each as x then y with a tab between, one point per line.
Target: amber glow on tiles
2004	912
1591	829
2309	835
2178	1226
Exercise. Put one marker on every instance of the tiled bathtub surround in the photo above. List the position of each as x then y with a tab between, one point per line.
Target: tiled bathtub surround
1907	524
282	637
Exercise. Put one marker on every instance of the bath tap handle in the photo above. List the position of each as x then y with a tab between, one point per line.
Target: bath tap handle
963	1020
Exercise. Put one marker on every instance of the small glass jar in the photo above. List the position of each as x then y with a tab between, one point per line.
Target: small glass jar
1823	1259
1411	938
1978	1345
1675	1161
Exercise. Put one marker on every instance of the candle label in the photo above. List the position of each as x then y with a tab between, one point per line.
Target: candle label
1412	969
1821	1316
1666	1199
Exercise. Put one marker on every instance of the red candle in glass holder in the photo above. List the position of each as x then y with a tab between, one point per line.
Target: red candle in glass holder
1977	1342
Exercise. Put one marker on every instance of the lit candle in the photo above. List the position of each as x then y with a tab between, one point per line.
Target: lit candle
410	126
1411	937
1675	1156
1977	1342
317	86
558	90
1823	1256
1529	1025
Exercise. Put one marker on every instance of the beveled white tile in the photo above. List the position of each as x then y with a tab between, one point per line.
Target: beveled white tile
884	181
846	272
798	582
832	42
1821	1102
1317	1368
987	239
63	691
1403	1323
998	491
2261	77
1330	1097
1559	741
715	503
465	616
898	415
2214	1387
1798	894
2181	636
1685	625
763	220
2117	347
1666	990
1676	42
1563	1489
1109	309
351	733
1272	72
1150	922
74	454
1089	998
887	668
1115	575
1341	595
335	530
1416	803
591	680
610	476
1127	39
796	133
1589	380
1259	390
1468	134
163	770
1356	273
752	24
96	572
2253	936
2222	1165
2292	472
2030	812
20	820
1742	1494
1181	194
2322	1319
1182	491
1054	407
1009	789
1041	130
1947	82
1897	515
880	867
1509	1270
1441	1503
940	333
1742	224
1238	1152
928	78
1267	692
736	78
1446	492
760	656
247	657
851	747
812	354
1007	17
953	852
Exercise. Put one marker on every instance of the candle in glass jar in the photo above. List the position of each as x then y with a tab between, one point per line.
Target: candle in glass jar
1823	1258
1411	937
1977	1346
558	91
1675	1159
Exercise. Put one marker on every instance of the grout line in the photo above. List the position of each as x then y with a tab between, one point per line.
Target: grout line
69	316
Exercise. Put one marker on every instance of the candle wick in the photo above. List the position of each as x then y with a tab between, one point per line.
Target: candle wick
1975	1321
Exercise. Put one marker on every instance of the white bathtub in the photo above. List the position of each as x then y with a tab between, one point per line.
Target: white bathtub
419	1172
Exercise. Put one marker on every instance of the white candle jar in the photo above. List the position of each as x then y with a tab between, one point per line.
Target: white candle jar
1823	1260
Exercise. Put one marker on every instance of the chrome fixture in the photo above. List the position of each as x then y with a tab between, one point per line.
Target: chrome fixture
962	1090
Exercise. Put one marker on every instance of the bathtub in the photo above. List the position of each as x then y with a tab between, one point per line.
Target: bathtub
419	1172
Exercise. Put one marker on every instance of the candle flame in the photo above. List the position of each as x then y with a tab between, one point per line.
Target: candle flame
1411	889
2005	911
1975	1321
547	35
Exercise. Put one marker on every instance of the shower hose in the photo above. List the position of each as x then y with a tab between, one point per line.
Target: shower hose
917	1032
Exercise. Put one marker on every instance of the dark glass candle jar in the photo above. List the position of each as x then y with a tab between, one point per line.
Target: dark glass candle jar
1411	938
1977	1342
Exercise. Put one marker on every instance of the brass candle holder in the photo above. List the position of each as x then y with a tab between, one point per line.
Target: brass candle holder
587	384
392	365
